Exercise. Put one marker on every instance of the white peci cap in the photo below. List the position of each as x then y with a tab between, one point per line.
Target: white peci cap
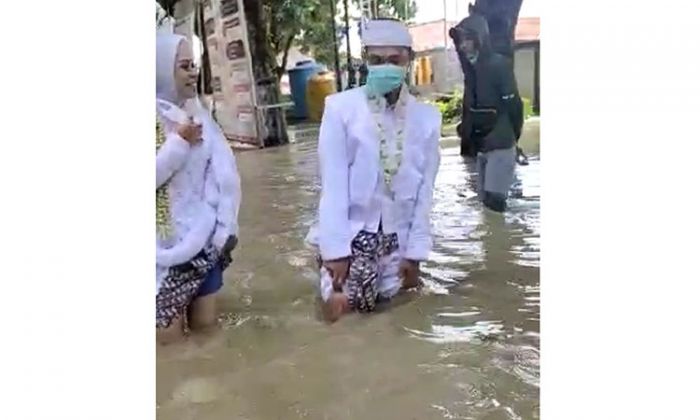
386	33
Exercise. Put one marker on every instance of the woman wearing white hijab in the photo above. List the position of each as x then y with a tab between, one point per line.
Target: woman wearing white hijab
197	196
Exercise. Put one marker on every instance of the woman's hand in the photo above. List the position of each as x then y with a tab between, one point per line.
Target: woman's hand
230	245
191	132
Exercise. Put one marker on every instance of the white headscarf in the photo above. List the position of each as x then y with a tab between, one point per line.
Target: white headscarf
166	52
386	33
223	162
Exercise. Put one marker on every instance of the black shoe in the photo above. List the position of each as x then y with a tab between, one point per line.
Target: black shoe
495	202
521	159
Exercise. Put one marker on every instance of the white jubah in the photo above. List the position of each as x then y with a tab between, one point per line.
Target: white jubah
354	197
202	181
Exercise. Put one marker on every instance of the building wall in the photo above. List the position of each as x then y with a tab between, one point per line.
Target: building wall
525	72
446	71
453	79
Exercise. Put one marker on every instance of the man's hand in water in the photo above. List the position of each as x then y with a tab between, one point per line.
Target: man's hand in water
336	306
338	270
408	272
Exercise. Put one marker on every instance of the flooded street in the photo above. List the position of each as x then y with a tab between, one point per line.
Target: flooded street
465	347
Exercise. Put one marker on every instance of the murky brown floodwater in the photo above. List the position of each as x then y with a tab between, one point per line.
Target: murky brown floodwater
466	347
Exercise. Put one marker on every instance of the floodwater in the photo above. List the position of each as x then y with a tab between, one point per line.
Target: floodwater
465	347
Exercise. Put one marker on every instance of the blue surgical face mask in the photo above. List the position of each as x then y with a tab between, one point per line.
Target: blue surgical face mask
383	78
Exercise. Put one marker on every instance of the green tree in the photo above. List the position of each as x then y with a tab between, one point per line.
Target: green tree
400	9
316	37
276	25
280	24
287	20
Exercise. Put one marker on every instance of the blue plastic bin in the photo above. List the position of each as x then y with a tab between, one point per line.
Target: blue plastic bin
298	78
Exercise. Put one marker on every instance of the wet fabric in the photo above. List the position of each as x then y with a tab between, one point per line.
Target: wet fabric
365	270
213	281
373	273
496	171
183	282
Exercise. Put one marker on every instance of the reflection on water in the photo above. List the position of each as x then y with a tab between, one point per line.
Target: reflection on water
465	347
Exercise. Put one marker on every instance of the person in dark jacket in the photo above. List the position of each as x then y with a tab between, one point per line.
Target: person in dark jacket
492	114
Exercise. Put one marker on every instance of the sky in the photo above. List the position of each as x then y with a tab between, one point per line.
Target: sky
433	9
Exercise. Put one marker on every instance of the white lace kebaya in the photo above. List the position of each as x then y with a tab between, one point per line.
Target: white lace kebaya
203	186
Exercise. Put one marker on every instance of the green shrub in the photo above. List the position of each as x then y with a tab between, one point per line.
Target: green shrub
451	107
527	108
442	107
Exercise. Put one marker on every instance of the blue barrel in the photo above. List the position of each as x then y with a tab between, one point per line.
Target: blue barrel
298	77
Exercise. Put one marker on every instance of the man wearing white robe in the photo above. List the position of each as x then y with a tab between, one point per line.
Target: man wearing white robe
379	155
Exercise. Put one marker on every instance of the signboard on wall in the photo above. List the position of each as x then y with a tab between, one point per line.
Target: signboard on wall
231	69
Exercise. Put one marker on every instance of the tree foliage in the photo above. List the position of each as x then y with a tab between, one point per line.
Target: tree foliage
302	22
281	24
399	9
307	24
316	37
